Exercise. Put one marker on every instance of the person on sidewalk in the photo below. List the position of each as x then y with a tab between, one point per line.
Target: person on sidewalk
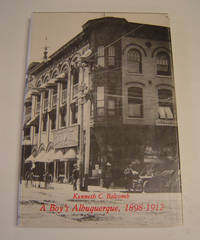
75	176
107	175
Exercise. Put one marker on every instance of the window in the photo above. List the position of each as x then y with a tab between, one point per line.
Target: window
100	101
163	64
134	61
111	56
75	74
63	116
165	109
135	106
46	100
54	97
74	109
38	104
27	132
53	119
37	129
44	122
111	107
100	56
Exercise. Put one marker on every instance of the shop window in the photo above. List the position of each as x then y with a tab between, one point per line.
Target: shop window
163	64
111	107
111	56
74	111
134	61
100	101
100	56
135	102
165	109
44	122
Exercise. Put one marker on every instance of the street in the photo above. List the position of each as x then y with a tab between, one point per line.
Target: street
60	206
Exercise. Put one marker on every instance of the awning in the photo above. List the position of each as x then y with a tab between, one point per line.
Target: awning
40	157
30	159
52	155
51	82
70	154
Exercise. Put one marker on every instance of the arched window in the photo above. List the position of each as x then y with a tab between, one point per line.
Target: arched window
163	64
134	61
165	109
135	102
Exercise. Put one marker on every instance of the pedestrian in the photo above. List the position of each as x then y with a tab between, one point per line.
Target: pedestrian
75	176
128	177
107	175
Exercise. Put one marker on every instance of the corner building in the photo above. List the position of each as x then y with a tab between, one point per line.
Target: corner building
105	96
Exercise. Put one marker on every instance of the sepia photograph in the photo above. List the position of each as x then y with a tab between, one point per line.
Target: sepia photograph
100	143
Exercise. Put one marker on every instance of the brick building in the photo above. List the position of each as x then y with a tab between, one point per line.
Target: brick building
105	96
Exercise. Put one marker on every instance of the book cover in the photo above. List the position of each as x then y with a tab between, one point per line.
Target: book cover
100	135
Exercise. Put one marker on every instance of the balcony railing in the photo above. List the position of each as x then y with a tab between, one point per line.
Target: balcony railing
64	95
54	99
45	103
75	90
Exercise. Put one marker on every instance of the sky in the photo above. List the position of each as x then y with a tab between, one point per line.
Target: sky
56	29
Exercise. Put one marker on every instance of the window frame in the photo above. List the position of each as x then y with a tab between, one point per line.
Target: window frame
159	65
166	104
132	62
135	100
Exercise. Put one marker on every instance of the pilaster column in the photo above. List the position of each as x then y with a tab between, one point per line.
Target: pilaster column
69	91
58	104
33	108
48	117
40	116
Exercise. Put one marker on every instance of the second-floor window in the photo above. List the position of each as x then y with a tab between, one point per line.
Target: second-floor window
163	63
165	108
46	100
63	116
111	56
75	74
100	101
135	102
53	119
74	112
134	61
100	56
111	109
44	122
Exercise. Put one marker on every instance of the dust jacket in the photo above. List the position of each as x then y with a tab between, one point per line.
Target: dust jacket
100	136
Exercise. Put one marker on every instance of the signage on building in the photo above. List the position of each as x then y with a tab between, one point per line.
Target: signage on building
68	137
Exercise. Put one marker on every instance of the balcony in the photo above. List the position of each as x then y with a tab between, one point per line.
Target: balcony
54	102
75	90
64	96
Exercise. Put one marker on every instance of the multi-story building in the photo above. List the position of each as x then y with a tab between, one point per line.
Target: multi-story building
105	96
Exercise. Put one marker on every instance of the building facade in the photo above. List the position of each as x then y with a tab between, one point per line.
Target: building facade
105	96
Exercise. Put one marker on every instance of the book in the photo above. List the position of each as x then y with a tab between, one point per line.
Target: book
100	135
